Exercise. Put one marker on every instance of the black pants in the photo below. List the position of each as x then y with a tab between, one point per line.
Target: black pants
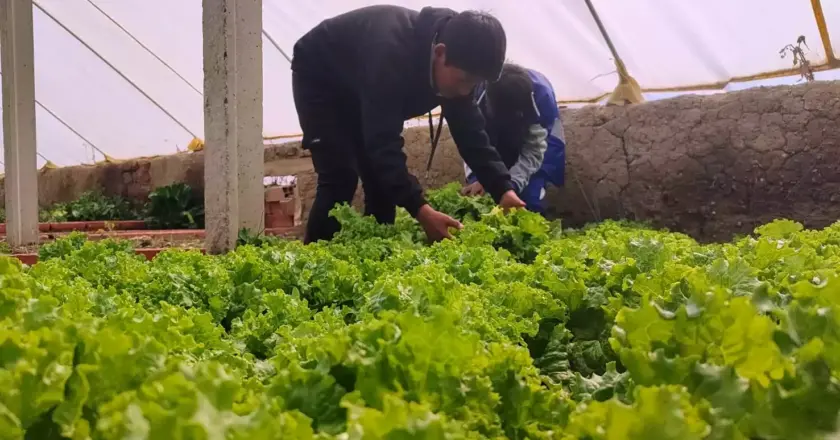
332	131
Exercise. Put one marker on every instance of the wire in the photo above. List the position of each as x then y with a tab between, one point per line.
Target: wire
277	46
69	127
136	40
114	68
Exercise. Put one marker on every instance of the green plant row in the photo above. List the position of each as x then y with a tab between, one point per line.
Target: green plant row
514	329
174	206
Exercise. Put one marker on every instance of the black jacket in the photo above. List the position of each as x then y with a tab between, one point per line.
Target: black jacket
380	56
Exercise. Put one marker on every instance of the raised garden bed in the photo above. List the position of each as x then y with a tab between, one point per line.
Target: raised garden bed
149	253
114	225
169	210
146	242
515	328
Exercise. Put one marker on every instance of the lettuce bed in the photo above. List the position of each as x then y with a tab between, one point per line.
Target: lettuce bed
511	330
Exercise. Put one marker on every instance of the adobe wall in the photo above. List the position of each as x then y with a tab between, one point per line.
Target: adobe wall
711	166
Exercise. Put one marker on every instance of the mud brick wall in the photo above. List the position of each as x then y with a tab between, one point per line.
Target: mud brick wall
710	166
136	178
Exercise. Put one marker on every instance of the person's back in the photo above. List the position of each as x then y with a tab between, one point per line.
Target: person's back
338	50
388	47
524	125
554	159
358	76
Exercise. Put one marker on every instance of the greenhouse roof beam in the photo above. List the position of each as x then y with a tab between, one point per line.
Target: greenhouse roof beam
628	89
819	17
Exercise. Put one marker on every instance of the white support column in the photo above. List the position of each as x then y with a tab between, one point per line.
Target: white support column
250	147
233	161
17	64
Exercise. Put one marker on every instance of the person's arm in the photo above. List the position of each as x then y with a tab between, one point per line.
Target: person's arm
530	157
466	124
534	147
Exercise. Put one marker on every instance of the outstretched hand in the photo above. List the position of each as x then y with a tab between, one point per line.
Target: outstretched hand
510	200
436	224
473	189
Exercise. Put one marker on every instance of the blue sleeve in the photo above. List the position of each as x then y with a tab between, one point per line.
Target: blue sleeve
548	118
554	160
544	99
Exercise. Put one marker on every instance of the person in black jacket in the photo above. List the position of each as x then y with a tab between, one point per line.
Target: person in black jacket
358	76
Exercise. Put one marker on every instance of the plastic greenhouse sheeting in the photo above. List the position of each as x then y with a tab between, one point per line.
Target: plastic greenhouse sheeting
124	77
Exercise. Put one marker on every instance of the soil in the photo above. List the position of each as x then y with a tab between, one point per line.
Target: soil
143	242
187	239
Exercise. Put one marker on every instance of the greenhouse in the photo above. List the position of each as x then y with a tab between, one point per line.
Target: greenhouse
681	282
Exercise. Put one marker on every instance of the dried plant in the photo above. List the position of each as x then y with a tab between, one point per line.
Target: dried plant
799	58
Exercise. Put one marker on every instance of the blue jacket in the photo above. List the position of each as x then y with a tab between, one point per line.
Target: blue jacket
548	117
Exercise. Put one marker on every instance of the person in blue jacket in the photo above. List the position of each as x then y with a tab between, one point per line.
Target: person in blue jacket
523	123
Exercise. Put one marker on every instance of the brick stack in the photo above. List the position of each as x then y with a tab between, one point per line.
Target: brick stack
282	207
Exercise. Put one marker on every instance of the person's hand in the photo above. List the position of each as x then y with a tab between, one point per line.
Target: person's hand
436	224
510	200
473	189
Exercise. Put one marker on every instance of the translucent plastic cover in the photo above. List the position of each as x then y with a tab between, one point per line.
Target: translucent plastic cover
124	78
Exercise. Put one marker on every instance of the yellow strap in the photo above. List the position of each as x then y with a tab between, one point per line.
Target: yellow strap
196	145
626	92
49	166
109	159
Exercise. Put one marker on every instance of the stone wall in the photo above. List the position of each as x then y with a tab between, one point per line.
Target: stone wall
711	166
